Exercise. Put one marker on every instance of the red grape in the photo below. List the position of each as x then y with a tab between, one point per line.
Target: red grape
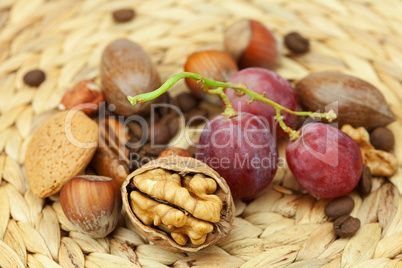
275	87
242	150
324	160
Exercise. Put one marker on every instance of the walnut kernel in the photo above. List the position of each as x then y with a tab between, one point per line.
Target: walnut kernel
381	163
179	203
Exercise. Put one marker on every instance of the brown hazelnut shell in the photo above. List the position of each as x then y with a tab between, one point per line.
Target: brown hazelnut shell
212	64
183	166
252	45
126	70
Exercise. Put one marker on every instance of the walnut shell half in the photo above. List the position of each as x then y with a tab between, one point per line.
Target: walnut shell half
174	199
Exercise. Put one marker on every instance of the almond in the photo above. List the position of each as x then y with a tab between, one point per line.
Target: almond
60	149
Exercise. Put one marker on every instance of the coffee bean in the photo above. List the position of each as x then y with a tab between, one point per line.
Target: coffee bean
165	109
123	15
196	116
346	226
148	151
296	43
172	121
173	124
187	101
135	129
34	78
382	139
174	102
159	133
153	118
339	207
364	185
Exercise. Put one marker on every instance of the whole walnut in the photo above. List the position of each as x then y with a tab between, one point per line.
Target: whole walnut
126	70
179	203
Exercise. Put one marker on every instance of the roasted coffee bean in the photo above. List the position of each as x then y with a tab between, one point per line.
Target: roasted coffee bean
134	144
346	226
135	129
164	107
34	78
196	116
172	121
148	151
187	102
123	15
339	207
159	133
173	125
382	139
296	43
364	185
153	118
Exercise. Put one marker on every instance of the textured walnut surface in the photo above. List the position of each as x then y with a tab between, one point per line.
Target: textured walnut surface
179	203
381	163
67	141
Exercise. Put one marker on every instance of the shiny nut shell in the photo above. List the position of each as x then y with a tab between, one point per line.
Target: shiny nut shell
126	70
212	64
359	103
252	45
183	165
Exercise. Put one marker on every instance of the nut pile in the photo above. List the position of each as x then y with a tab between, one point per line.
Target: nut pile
176	201
179	203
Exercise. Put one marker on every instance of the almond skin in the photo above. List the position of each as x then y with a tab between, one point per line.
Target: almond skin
359	102
60	149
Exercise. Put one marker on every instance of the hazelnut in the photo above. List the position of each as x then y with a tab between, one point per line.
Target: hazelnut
252	45
187	101
92	204
213	64
84	92
296	43
123	15
34	78
175	151
382	139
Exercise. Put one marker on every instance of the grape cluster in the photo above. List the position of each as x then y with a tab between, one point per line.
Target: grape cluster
274	87
324	160
240	144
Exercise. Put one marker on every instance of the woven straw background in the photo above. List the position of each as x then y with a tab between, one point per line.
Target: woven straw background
65	38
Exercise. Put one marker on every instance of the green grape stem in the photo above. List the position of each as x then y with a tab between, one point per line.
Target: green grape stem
218	89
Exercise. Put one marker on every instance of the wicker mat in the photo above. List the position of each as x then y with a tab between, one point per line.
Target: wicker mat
280	228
